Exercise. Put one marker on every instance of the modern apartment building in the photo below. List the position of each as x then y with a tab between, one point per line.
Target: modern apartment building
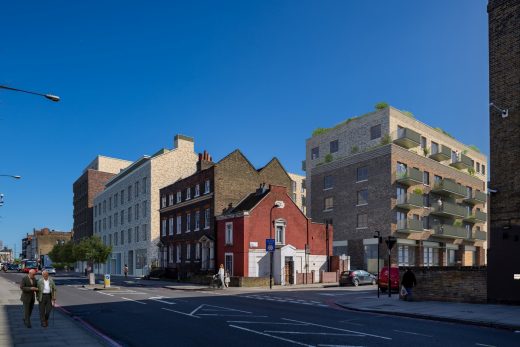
504	93
299	191
386	171
87	186
189	206
126	213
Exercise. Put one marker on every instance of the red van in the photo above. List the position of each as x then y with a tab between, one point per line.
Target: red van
394	279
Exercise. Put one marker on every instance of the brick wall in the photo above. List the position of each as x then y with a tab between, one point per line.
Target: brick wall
457	284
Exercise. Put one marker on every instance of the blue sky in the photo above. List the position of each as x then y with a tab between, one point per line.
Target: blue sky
254	75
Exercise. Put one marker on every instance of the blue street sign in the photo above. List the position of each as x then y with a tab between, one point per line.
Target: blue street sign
269	245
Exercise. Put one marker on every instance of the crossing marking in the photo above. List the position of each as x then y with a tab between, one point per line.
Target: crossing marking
138	302
179	312
412	333
269	335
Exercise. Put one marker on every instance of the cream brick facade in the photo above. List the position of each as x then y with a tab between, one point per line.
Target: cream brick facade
299	191
139	230
108	164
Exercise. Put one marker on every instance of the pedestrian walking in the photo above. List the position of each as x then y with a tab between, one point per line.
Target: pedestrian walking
227	279
29	288
46	297
221	274
408	283
125	270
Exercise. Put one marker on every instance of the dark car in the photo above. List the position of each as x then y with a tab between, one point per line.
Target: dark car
356	277
12	267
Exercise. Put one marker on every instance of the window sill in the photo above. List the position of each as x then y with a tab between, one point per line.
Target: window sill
361	228
324	189
196	229
361	205
329	210
362	181
228	244
206	228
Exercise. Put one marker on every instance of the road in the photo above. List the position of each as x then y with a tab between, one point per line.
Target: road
150	315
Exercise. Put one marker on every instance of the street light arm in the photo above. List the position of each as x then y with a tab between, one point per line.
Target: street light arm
16	177
48	96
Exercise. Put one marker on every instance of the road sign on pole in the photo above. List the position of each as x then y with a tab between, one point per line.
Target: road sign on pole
269	245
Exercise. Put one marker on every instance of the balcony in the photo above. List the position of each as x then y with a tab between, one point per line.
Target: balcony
449	188
409	177
443	153
450	232
410	201
461	161
476	217
476	198
448	210
409	226
479	235
407	138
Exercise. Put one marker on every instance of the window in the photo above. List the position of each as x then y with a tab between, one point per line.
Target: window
426	222
362	197
170	254
136	189
206	187
110	239
197	250
136	211
401	170
179	197
116	239
129	216
303	186
328	204
401	195
136	232
426	178
280	232
483	169
188	252
170	199
315	153
478	167
129	193
95	227
145	181
188	193
293	186
163	201
104	239
116	197
435	147
206	218
362	173
122	237
163	227
437	179
229	263
129	232
334	146
197	220
104	206
294	197
328	182
229	233
405	255
450	257
426	200
423	142
170	226
104	224
179	224
116	219
188	222
109	222
178	253
362	220
122	197
430	256
145	208
110	203
144	228
122	217
197	190
375	132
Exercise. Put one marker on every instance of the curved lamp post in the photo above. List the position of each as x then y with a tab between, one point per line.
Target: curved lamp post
48	96
16	177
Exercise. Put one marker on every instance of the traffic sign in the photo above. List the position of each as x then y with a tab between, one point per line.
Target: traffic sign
390	242
269	245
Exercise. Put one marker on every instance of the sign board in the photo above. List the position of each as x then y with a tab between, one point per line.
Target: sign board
390	242
253	244
269	245
107	281
516	276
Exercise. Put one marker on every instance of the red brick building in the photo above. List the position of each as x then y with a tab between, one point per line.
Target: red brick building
242	231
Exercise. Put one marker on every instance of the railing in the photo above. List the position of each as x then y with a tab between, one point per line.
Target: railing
410	199
409	225
442	153
451	231
410	175
477	216
461	160
479	235
476	197
448	208
449	187
407	138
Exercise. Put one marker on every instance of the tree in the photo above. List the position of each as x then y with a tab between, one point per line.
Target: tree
63	254
92	250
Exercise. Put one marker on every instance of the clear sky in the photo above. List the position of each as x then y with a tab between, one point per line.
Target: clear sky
254	75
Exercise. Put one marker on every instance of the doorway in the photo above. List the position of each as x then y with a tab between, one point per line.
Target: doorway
289	270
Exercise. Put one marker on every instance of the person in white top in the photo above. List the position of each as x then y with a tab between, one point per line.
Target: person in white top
46	297
221	275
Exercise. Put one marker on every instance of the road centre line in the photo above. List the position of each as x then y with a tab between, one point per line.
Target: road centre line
164	302
412	333
138	302
310	333
272	336
253	322
229	315
481	344
321	345
105	293
339	329
179	312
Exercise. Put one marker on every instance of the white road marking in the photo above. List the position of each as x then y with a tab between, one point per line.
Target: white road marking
195	310
179	312
411	333
310	333
339	329
481	344
253	322
229	315
138	302
105	293
269	335
321	345
158	299
350	322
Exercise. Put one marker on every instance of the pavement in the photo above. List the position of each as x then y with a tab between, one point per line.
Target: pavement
196	287
62	330
487	315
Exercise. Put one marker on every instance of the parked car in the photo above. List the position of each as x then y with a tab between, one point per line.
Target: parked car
394	279
50	270
13	267
356	277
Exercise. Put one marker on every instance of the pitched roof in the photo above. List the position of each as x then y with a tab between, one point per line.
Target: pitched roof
249	201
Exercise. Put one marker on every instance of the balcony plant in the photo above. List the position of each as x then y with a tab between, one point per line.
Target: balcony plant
385	140
457	223
471	171
329	158
418	191
354	149
426	151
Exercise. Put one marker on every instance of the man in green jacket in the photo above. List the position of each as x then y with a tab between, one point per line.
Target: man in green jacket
28	287
46	297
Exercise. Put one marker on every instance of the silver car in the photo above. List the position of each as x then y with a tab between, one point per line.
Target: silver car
50	270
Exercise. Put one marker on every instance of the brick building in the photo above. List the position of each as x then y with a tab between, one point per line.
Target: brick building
27	248
87	186
188	208
242	231
299	189
504	92
44	240
388	172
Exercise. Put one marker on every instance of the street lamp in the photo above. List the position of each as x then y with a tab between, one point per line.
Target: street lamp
379	241
16	177
47	96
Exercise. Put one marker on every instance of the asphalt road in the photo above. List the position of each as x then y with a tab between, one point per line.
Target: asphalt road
150	315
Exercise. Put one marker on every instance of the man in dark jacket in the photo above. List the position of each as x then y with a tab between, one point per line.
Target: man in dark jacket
408	283
29	288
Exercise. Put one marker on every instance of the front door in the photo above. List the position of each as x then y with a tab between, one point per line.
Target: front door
289	270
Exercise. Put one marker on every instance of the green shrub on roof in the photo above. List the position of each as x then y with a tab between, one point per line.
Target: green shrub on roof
319	131
475	148
381	105
444	132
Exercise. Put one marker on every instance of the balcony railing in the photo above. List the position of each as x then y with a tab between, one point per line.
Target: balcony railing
407	138
409	177
409	226
476	217
449	188
450	231
476	197
448	210
410	201
461	161
479	235
442	153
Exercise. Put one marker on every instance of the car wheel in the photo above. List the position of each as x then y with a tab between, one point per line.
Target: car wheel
356	282
373	281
